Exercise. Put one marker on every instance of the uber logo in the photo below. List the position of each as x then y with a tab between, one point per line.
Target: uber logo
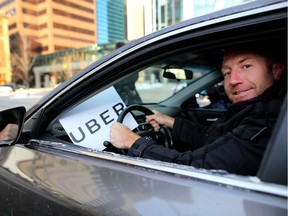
88	124
94	125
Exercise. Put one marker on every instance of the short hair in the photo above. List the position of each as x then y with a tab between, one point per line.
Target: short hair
272	50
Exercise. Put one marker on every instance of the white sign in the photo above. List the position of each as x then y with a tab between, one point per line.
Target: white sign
89	123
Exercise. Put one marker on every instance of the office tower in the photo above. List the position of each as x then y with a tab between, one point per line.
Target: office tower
55	24
110	21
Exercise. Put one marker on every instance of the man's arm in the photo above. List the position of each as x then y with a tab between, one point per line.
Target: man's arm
229	152
158	119
121	136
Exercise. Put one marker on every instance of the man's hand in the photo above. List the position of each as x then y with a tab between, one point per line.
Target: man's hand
158	119
9	132
121	136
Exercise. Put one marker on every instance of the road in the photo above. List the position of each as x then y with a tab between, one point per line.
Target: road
22	97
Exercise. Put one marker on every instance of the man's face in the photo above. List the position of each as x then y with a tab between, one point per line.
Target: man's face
246	75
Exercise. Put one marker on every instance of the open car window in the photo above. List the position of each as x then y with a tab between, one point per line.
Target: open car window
88	124
150	86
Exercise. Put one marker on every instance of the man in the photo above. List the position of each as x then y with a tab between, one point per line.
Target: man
235	143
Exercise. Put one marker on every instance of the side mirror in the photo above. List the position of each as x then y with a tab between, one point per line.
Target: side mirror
178	74
11	123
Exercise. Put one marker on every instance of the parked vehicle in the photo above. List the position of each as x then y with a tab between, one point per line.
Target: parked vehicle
58	164
10	87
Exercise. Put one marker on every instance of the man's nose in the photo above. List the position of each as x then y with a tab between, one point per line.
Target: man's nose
235	77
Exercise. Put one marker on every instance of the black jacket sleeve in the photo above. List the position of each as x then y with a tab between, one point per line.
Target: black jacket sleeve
239	151
189	132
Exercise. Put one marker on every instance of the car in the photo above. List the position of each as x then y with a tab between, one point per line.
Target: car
6	89
60	162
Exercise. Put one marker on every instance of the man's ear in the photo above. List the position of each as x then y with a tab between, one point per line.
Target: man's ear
277	70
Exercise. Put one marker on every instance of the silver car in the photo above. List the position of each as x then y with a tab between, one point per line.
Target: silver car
59	163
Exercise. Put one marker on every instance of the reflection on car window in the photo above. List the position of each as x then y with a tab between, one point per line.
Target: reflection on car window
213	98
149	85
127	90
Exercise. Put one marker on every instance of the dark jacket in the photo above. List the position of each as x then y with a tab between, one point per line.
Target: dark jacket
235	143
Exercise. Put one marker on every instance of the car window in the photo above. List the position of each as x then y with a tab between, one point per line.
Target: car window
149	85
93	116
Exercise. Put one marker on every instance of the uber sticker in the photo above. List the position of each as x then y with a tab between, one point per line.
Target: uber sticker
89	123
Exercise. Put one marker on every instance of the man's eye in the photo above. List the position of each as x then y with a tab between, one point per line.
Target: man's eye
247	66
226	74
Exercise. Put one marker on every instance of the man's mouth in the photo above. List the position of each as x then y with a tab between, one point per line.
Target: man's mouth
236	93
240	91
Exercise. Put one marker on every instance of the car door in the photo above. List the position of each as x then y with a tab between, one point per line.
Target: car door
47	174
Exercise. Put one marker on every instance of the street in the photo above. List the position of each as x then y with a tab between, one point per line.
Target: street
22	97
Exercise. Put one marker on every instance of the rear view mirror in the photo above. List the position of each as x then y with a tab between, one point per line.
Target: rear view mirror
11	122
178	74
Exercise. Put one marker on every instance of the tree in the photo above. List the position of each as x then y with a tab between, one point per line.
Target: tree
66	65
22	50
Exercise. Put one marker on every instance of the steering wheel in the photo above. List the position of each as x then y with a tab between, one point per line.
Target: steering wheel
163	136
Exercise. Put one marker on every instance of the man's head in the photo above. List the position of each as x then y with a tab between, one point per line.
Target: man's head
248	72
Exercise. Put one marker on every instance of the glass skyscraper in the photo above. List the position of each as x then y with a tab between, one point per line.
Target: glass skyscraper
169	12
110	21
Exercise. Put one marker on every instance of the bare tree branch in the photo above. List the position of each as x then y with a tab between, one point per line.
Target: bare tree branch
21	59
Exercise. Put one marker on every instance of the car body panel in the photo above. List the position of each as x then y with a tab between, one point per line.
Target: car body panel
95	186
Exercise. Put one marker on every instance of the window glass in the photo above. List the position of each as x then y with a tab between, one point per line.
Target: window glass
149	85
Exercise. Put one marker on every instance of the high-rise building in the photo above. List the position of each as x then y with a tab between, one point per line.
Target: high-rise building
5	68
54	24
169	12
135	22
111	25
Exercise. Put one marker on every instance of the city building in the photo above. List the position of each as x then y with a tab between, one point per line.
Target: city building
135	14
110	16
169	12
5	67
55	24
144	17
52	69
